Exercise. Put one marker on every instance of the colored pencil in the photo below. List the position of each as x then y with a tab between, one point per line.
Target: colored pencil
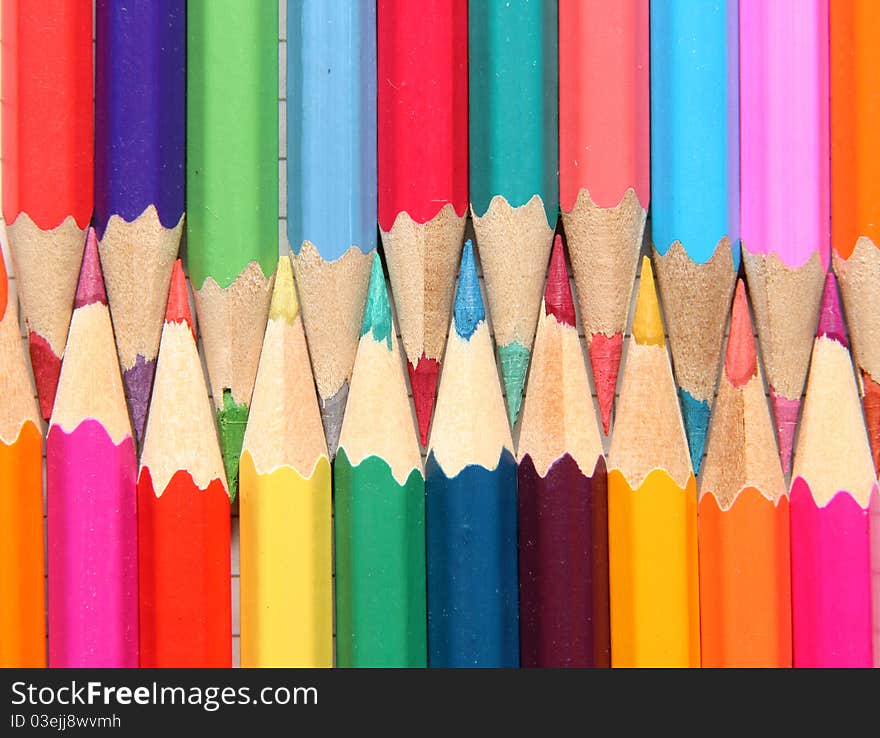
695	186
380	505
471	509
140	123
563	516
784	174
833	485
604	178
48	124
423	174
513	168
855	190
745	576
23	615
232	197
91	470
183	509
652	507
331	183
286	586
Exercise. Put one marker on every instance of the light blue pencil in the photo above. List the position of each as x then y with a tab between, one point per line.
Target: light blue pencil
695	190
331	182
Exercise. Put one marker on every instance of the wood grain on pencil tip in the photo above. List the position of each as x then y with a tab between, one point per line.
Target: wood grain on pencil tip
784	170
48	123
833	489
471	498
23	615
604	179
695	185
285	516
652	507
232	196
745	577
91	471
422	174
183	509
563	539
512	60
855	190
140	69
380	505
331	183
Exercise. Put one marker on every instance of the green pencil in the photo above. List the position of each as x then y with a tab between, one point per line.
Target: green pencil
232	196
513	168
380	505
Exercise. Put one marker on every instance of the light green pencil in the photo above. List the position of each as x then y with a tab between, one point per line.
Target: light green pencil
232	196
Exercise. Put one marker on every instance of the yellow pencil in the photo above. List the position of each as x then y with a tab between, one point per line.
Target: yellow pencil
652	507
286	586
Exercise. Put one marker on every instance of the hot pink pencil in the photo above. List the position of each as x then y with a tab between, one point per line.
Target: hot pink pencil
91	476
833	486
784	187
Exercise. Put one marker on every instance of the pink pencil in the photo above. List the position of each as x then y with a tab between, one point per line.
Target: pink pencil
784	187
832	489
91	481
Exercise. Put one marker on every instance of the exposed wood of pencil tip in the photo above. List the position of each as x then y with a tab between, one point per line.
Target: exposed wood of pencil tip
741	451
284	425
558	414
180	431
832	450
648	432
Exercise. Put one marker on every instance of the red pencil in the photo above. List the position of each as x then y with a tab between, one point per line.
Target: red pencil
183	509
48	124
423	173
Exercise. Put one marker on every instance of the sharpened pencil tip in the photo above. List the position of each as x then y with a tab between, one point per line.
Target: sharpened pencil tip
831	323
90	288
377	312
558	301
469	310
284	304
178	310
647	326
740	360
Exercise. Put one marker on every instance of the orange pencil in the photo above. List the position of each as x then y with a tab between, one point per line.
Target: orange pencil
22	599
855	189
745	577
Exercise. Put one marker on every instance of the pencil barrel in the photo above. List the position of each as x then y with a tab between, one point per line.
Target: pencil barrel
380	566
93	554
473	610
563	566
23	614
286	573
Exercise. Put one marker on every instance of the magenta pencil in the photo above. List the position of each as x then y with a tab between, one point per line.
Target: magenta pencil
91	481
833	487
785	181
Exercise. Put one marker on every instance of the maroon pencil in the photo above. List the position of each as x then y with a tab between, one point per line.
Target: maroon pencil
563	534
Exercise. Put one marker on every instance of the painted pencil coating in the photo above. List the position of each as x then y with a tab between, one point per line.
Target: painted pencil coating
855	194
48	124
513	168
471	506
422	100
285	511
380	565
380	505
23	616
91	470
140	68
331	182
183	510
604	177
